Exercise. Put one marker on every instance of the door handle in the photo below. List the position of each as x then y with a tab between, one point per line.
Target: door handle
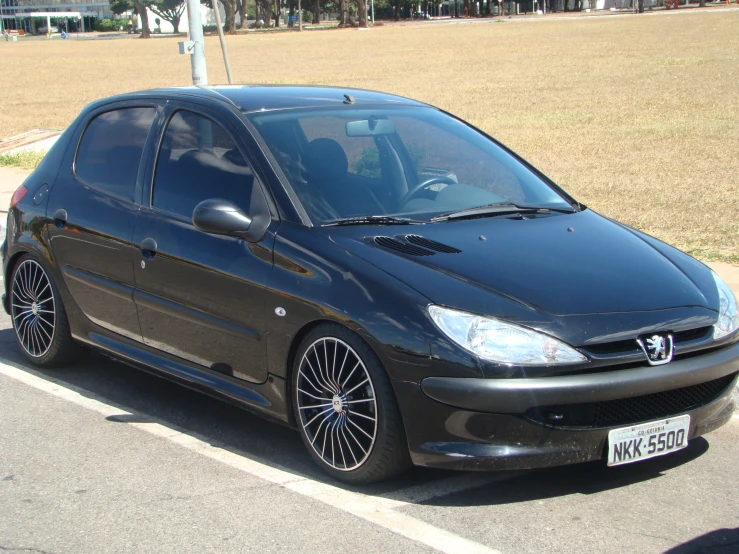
60	218
149	248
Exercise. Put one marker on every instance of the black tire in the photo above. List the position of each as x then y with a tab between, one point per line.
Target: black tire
38	316
347	409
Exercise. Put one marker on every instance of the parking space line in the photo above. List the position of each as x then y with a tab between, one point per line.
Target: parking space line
379	510
451	485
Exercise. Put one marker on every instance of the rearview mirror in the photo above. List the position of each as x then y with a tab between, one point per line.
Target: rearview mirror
370	127
220	217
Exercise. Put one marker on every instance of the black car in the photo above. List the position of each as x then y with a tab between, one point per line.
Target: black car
371	270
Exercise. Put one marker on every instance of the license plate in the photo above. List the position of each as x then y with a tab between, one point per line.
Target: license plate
647	440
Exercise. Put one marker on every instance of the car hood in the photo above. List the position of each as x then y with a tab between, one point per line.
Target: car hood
558	264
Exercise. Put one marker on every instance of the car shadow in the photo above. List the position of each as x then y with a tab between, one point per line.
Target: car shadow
151	398
587	478
718	541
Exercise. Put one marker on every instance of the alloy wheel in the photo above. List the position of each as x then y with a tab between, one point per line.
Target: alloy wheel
33	308
337	404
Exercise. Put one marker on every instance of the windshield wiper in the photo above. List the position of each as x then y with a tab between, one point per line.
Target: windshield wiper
499	209
373	220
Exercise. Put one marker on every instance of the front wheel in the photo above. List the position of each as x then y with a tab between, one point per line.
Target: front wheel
345	408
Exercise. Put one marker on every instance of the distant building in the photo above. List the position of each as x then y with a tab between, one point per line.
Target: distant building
15	15
13	11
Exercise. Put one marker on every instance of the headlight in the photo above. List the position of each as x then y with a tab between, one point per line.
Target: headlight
728	316
505	343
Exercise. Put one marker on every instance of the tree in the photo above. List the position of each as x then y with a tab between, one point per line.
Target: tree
229	25
264	11
169	10
277	13
241	10
229	6
346	19
119	7
362	9
143	14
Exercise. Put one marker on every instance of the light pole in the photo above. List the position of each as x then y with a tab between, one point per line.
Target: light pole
300	16
197	59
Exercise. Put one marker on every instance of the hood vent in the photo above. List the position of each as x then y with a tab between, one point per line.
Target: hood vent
403	247
431	244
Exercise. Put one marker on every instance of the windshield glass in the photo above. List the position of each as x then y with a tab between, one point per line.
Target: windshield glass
409	162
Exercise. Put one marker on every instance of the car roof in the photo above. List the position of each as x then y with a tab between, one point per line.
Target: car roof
250	98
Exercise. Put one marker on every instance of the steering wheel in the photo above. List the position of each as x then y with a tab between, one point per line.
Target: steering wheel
411	194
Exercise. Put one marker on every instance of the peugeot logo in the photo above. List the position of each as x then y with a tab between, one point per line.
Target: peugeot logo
657	348
337	403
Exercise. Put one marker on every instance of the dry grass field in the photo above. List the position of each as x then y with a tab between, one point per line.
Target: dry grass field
638	117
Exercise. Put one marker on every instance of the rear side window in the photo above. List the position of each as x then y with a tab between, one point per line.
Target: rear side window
110	151
199	160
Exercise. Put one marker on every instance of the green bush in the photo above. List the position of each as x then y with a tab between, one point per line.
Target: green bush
25	159
107	25
369	164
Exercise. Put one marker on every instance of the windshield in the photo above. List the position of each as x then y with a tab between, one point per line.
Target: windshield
404	162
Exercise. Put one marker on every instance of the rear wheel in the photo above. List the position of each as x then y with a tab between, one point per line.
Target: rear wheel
39	319
345	408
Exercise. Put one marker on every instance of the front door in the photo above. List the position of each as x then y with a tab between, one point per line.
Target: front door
201	297
94	205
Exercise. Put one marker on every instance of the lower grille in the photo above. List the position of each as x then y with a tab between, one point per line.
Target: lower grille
613	413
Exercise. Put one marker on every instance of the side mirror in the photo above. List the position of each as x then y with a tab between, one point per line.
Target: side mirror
220	217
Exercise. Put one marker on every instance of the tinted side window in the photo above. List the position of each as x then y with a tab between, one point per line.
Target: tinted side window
199	160
110	150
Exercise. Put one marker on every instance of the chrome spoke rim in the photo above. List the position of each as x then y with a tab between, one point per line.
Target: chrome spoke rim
33	308
337	406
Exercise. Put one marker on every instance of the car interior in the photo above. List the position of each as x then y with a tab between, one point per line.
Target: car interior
383	180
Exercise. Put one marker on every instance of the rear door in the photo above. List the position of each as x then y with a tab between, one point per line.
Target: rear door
94	204
201	297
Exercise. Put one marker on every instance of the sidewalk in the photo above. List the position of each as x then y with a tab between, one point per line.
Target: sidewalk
10	179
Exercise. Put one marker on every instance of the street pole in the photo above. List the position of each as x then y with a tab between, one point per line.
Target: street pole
373	12
197	60
300	16
224	50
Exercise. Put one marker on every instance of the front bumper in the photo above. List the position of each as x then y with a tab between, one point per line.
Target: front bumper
480	424
515	396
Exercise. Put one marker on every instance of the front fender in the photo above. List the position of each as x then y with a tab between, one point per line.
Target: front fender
315	280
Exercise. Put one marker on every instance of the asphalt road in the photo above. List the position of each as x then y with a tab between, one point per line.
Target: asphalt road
101	458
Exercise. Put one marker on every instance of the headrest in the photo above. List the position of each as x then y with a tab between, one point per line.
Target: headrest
325	159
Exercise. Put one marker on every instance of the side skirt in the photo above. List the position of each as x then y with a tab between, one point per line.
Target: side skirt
266	399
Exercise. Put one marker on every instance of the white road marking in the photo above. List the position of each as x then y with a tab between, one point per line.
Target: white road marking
442	487
375	509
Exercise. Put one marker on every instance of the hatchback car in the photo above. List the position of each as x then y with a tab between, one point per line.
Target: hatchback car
371	270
